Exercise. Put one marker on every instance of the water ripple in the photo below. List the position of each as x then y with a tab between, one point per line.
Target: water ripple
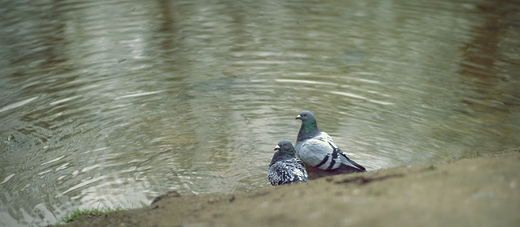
17	104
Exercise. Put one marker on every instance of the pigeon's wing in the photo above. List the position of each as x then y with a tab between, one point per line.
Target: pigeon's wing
276	174
321	152
300	171
317	152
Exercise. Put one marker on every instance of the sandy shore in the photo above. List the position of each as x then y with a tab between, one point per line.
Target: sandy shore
481	191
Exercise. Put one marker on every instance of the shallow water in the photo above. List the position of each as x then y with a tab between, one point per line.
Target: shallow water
111	104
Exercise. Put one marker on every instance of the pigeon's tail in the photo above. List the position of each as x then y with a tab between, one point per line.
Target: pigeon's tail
347	163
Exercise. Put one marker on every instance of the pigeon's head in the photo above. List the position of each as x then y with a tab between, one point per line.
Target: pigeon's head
306	115
285	147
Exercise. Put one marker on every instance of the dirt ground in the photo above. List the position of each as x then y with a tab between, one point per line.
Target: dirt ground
481	191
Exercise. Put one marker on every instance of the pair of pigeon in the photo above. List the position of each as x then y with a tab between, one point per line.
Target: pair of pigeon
314	148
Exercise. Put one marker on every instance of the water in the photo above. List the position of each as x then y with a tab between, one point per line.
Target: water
111	104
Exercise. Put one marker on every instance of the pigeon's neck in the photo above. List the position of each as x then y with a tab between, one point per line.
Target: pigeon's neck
279	157
308	130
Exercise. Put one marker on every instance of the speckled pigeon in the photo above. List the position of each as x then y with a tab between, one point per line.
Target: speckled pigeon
316	149
284	167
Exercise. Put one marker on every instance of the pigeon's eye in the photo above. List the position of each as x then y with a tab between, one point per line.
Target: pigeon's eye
305	115
283	145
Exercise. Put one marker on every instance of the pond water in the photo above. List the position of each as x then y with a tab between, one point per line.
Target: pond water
110	104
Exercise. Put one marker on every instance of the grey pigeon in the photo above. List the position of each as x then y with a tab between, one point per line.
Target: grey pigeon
284	167
316	149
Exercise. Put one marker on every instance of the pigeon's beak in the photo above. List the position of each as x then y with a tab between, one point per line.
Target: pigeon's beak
299	117
277	148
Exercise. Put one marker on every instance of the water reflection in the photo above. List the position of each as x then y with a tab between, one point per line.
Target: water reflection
112	104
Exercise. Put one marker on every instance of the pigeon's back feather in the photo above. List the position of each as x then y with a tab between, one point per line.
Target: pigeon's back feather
287	172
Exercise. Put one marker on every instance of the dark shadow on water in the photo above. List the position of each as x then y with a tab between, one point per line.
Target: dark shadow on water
483	63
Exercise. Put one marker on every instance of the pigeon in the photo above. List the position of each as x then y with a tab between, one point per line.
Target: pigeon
317	149
284	167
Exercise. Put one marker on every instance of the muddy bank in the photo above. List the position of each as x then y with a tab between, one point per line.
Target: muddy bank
480	191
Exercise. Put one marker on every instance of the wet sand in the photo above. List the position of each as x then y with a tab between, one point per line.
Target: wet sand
478	191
